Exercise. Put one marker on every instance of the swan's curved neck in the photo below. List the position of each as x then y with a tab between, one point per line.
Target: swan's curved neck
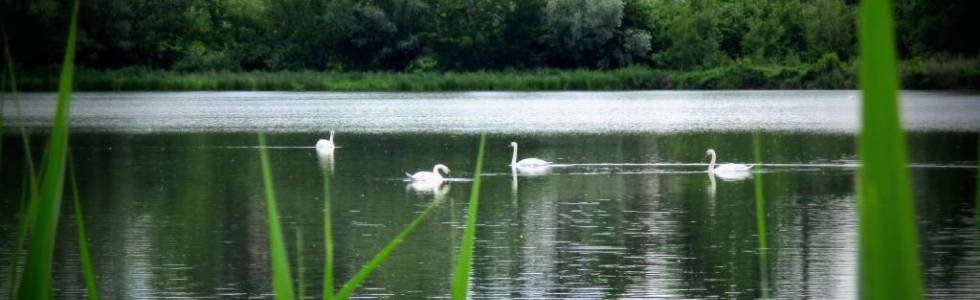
331	135
513	158
711	165
436	169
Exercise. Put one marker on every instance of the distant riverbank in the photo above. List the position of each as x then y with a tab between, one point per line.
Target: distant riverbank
827	73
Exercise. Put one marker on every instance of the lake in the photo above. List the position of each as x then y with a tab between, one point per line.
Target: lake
173	203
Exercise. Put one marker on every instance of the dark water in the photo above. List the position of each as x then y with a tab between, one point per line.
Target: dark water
627	215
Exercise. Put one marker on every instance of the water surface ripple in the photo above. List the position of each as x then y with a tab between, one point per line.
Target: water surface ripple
495	112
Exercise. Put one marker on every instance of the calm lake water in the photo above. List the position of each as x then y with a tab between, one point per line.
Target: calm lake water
173	200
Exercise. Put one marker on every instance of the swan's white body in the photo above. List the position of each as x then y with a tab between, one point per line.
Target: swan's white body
532	171
325	145
430	177
527	162
727	171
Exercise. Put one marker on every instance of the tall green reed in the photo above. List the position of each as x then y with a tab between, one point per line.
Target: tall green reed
760	219
12	274
27	212
327	238
88	272
461	274
300	280
36	283
355	281
281	280
889	260
17	113
3	101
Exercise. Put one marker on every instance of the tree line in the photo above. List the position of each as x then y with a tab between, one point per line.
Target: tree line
467	35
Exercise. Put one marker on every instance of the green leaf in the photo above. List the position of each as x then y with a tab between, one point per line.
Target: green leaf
36	283
282	282
461	273
889	258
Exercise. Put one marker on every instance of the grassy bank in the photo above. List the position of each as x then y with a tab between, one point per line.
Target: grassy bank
827	73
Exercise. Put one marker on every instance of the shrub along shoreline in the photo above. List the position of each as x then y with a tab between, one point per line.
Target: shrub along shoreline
827	73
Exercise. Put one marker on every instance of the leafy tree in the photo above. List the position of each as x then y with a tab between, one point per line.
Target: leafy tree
829	28
774	31
694	37
399	35
581	29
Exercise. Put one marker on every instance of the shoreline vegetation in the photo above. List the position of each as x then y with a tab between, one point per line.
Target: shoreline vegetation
827	73
455	45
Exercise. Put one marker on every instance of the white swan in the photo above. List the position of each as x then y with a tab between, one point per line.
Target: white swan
326	145
431	177
727	171
527	162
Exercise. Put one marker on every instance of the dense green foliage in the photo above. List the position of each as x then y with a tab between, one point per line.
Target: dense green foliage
889	253
456	35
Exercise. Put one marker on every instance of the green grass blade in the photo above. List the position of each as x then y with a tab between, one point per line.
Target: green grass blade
87	270
362	274
760	220
281	281
3	86
461	274
20	121
28	213
36	283
889	259
327	238
18	242
301	283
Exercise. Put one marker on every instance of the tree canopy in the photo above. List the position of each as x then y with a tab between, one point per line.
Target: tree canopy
461	35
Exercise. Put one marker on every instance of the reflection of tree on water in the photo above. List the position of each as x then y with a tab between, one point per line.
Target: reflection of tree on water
539	239
198	215
654	243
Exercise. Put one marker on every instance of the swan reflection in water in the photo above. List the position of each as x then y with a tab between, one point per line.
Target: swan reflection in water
711	190
436	189
525	171
325	158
